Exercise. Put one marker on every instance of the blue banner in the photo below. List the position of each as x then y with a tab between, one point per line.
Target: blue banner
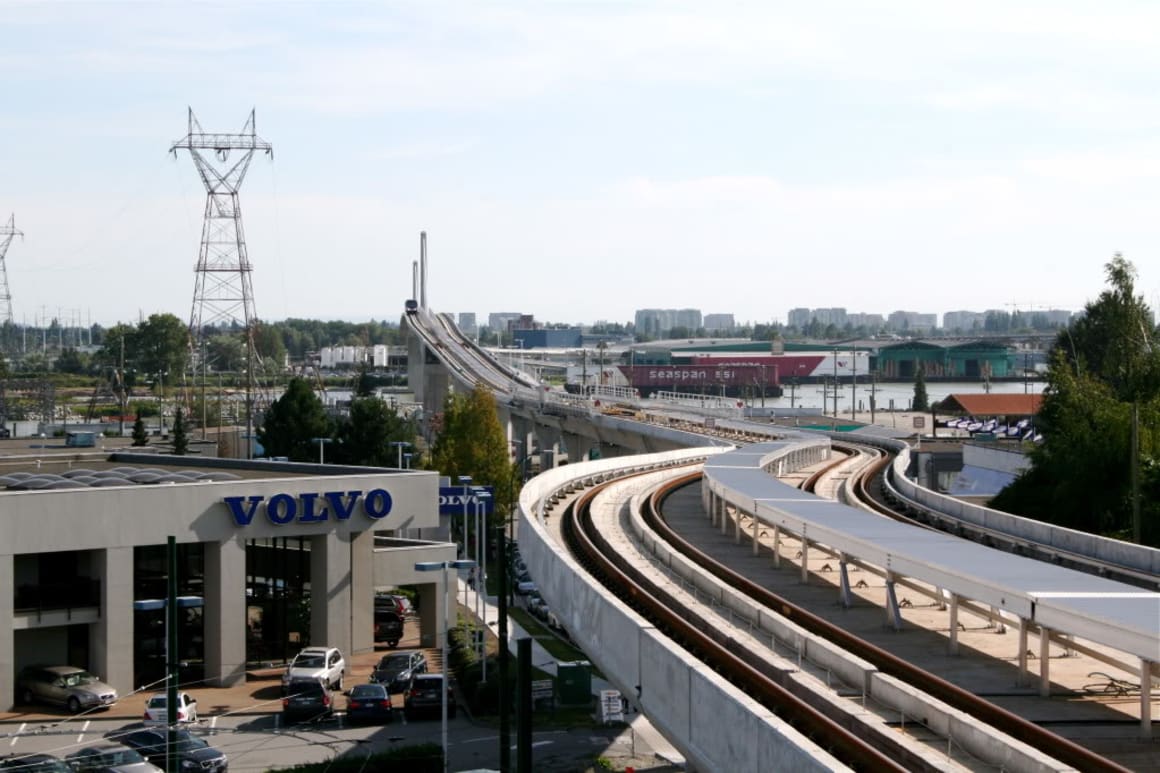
451	499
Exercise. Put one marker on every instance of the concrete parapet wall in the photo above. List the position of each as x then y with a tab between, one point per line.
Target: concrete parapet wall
1137	557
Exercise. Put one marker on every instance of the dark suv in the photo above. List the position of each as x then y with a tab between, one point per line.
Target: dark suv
425	695
191	751
307	700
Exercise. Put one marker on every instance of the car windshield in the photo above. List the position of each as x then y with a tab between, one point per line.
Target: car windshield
78	678
309	661
112	758
366	691
187	742
395	662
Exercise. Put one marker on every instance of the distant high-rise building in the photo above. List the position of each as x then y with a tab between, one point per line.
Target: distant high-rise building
871	322
965	321
656	323
799	317
718	322
467	323
911	321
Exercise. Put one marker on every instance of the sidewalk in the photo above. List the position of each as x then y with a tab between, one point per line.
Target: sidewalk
646	738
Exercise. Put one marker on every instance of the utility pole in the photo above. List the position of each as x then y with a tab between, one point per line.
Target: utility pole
854	383
223	291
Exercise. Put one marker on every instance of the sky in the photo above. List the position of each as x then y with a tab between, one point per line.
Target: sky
579	161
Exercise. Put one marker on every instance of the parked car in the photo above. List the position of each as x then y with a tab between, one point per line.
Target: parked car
325	664
425	694
389	627
307	700
35	763
192	751
109	758
157	711
393	602
395	670
67	686
369	703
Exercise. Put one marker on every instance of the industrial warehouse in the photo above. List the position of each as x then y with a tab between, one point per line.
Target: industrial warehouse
83	562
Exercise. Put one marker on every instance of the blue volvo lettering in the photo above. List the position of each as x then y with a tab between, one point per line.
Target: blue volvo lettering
309	507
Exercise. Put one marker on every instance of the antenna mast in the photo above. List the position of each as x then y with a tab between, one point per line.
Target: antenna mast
223	293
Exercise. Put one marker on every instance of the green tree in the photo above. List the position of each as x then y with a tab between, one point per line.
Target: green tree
471	441
1102	365
162	346
365	436
921	401
140	436
180	437
71	361
293	422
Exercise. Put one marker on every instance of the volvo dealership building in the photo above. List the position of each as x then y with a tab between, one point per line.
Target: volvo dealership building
271	556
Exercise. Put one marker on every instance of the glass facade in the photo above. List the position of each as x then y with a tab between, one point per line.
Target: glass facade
277	598
151	583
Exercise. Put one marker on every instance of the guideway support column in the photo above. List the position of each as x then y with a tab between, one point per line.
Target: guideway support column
844	577
1021	675
893	614
1148	672
953	643
1044	661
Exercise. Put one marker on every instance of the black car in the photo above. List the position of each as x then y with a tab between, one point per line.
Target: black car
307	700
368	703
35	763
109	758
425	695
193	753
396	669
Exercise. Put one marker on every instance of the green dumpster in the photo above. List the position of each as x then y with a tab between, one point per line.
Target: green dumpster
574	683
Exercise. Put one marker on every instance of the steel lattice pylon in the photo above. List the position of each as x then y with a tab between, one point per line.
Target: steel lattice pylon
7	232
223	292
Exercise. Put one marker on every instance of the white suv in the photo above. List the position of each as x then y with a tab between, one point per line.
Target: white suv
321	664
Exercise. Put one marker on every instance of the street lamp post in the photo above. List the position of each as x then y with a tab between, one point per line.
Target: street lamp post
444	566
465	481
481	576
400	445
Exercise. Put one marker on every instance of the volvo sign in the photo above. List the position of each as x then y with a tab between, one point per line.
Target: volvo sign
310	507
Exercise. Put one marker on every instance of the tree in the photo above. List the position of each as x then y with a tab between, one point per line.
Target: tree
365	436
140	437
1102	366
471	441
294	422
921	401
162	345
180	438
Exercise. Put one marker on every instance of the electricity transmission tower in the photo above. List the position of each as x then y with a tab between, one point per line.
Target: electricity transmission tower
7	232
223	293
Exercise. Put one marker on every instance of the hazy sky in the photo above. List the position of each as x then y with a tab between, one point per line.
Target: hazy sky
580	161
